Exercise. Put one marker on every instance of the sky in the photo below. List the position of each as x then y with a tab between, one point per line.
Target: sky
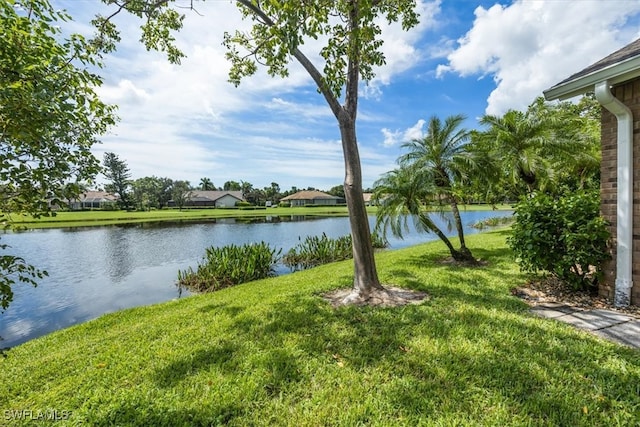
465	57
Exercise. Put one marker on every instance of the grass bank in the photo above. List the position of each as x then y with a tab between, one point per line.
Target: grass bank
272	352
101	218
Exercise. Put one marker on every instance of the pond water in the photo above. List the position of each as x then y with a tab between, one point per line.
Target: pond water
98	270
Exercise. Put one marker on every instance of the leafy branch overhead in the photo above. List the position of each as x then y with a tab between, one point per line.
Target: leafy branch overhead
160	21
280	29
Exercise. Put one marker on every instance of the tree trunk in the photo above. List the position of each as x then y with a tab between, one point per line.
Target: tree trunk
454	253
464	252
365	274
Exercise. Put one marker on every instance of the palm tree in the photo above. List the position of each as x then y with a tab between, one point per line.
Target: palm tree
522	143
400	195
206	184
445	157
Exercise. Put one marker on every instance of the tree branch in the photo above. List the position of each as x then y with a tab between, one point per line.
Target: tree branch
353	70
315	74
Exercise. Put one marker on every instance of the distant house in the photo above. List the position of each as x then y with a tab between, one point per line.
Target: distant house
93	200
367	198
213	199
308	197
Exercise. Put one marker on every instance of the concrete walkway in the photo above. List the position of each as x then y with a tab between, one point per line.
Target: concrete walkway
608	324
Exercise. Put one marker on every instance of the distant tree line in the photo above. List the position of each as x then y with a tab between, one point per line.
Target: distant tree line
152	192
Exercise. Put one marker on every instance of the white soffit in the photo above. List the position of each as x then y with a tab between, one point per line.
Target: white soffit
615	74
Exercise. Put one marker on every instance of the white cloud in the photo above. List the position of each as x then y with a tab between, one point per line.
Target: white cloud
390	137
530	45
124	92
395	137
300	109
186	121
415	131
400	48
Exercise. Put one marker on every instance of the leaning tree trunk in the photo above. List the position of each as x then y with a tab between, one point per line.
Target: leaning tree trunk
464	253
455	254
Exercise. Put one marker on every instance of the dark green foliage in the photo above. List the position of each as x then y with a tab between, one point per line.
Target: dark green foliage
318	250
337	191
180	193
232	186
119	176
550	147
565	237
152	192
231	265
14	269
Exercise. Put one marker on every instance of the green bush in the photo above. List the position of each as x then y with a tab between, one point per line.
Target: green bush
231	265
243	204
318	250
566	237
284	204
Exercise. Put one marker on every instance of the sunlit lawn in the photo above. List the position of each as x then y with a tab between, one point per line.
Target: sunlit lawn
273	352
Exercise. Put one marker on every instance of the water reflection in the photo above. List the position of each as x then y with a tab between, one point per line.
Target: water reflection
119	254
93	271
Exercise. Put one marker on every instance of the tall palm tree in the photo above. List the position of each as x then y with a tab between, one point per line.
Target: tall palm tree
401	194
444	155
206	184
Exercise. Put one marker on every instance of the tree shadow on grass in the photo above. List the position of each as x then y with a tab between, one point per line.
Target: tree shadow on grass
231	310
221	355
432	361
465	355
469	284
542	380
148	412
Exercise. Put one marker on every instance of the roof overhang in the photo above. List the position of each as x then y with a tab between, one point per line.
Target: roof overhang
615	74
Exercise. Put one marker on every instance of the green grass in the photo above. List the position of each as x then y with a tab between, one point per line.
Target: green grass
272	352
100	218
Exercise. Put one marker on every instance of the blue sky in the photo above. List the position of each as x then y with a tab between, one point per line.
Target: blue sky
466	57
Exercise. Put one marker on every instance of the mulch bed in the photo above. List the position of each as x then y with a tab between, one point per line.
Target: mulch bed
553	290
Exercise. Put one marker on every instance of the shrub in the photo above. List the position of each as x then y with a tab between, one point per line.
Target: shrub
318	250
566	237
243	204
284	204
231	265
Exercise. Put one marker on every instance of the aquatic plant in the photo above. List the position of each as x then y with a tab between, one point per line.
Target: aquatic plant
495	221
231	265
318	250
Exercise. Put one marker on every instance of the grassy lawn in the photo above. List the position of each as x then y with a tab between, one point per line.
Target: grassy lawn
99	218
273	352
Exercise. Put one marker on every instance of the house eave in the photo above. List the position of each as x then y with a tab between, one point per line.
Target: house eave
615	74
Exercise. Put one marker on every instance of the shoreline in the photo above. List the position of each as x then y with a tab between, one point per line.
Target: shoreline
96	218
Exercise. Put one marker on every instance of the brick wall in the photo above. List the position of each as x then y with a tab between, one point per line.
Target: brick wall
629	93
